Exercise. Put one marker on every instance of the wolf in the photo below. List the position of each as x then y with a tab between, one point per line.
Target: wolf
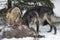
42	14
46	16
13	16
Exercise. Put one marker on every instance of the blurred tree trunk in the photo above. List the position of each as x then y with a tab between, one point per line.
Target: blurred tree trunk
9	3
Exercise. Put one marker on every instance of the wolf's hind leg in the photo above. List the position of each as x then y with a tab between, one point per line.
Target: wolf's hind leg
51	26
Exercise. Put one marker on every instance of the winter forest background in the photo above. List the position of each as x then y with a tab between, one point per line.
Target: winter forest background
48	36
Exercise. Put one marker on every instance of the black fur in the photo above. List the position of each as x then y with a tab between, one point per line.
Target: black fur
27	18
45	23
41	10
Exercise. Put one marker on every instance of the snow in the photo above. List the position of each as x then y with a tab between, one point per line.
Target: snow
3	4
57	7
43	31
48	36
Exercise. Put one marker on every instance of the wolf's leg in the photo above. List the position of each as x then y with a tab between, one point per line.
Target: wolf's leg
51	25
37	27
55	29
48	20
27	23
50	28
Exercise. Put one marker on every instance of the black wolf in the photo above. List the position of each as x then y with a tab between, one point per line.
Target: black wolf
42	14
46	15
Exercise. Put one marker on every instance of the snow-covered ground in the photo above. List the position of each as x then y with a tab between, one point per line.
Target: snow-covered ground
48	36
43	31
